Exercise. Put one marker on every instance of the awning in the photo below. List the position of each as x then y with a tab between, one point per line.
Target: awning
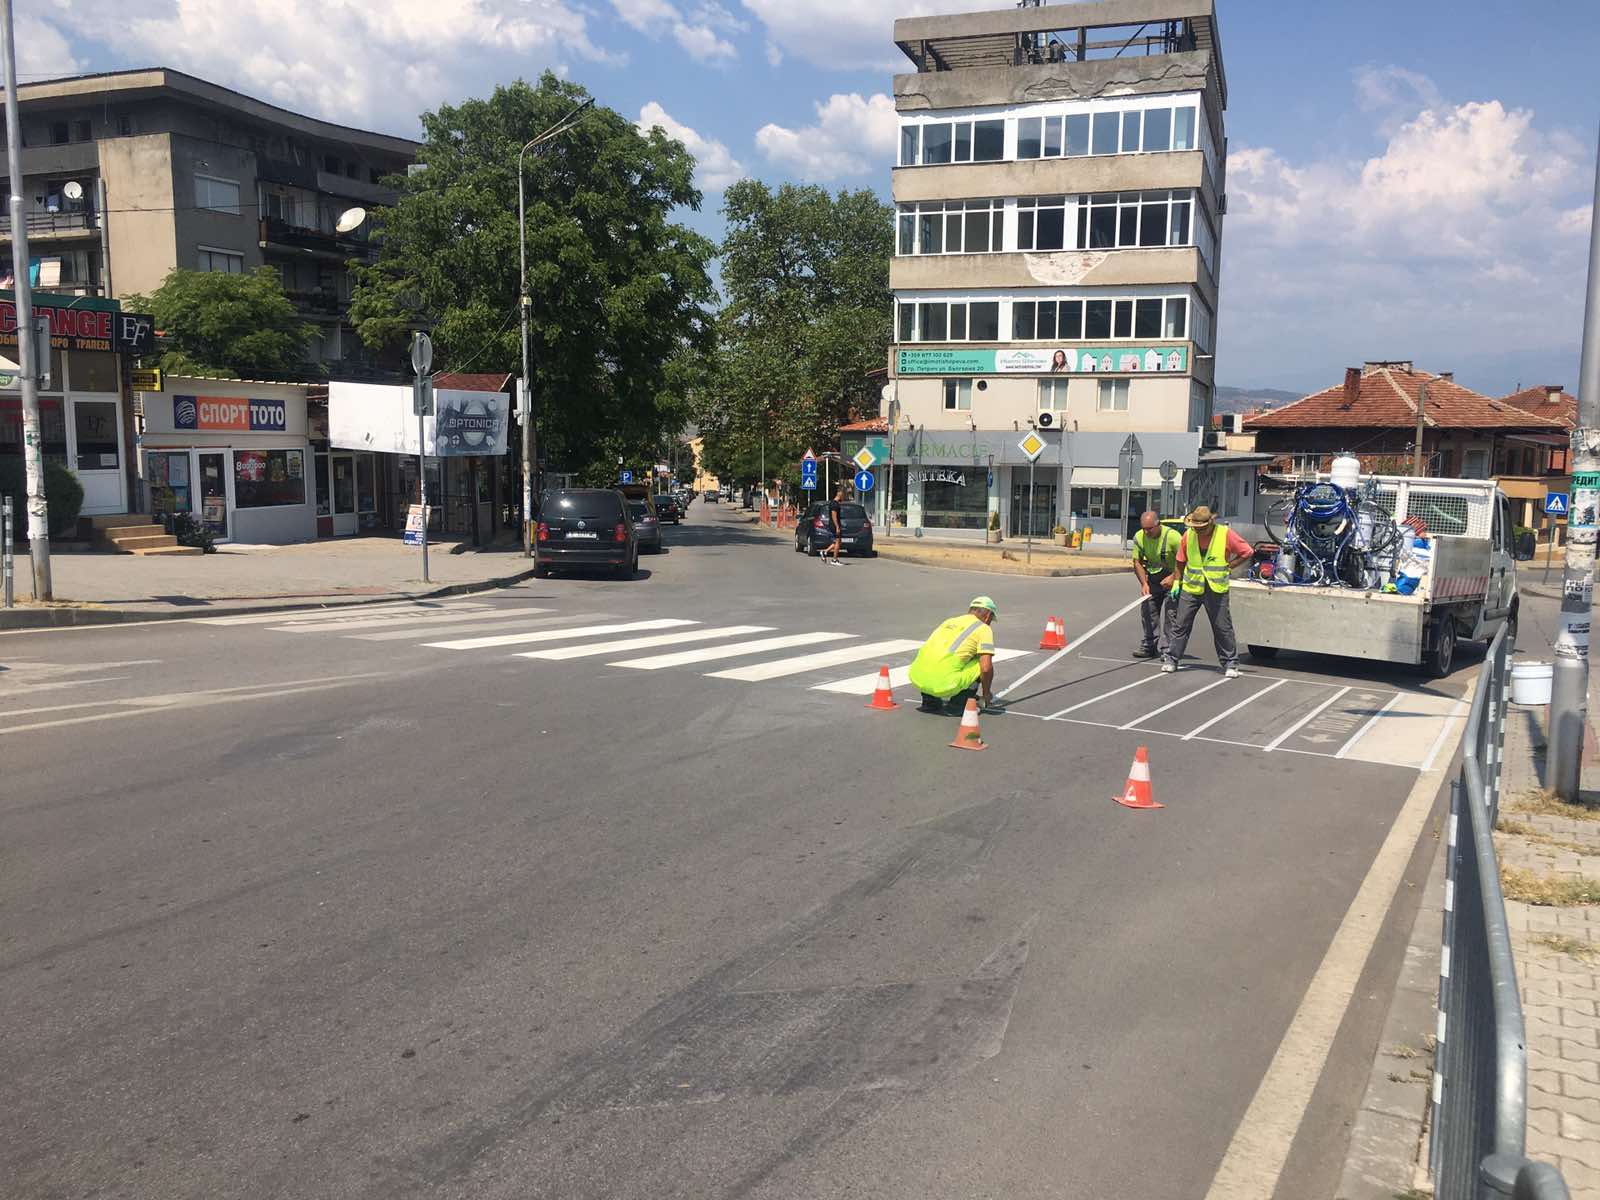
1559	440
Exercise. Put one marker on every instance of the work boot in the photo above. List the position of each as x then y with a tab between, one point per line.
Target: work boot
1145	652
931	704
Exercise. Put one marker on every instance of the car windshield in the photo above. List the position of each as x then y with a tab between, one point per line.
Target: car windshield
597	504
639	510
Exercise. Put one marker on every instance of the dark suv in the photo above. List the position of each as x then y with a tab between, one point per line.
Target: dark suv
585	527
813	533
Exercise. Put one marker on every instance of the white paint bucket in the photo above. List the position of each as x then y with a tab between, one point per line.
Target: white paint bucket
1530	682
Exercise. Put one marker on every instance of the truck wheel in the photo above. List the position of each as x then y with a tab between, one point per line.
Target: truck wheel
1263	653
1440	657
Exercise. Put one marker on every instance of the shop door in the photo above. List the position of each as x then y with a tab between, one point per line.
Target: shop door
213	510
1044	509
344	494
96	432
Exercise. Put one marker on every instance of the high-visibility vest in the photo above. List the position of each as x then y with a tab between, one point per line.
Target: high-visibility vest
1158	554
937	670
1206	568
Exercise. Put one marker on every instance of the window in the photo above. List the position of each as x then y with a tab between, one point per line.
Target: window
936	146
218	195
988	141
1113	395
330	164
229	262
1122	318
910	144
1042	223
60	134
126	126
932	322
1129	220
1147	318
958	395
1077	135
953	141
984	325
1029	139
268	478
83	131
1053	395
907	331
1097	319
1130	131
951	227
1106	125
1176	324
1157	130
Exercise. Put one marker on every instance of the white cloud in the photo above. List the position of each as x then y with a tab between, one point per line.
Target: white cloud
717	167
850	35
413	54
851	137
42	49
1458	239
699	33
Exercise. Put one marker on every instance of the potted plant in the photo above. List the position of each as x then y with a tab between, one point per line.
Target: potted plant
1060	535
993	534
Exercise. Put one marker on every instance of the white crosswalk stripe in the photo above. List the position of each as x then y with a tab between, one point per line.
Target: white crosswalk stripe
396	620
450	625
594	649
555	635
899	677
813	662
337	612
712	653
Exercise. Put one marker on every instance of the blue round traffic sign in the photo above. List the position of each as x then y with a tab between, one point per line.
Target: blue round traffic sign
864	481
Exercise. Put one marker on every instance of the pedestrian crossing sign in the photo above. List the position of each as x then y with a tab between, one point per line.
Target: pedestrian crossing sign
1555	504
1032	445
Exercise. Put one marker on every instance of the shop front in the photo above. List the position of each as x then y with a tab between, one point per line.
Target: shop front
233	454
84	422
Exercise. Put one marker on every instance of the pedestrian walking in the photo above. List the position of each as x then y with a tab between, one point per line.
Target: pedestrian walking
836	526
1155	565
956	663
1207	555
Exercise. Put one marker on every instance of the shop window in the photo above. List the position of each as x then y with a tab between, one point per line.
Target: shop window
268	478
324	501
958	395
1113	395
366	487
955	497
168	475
94	371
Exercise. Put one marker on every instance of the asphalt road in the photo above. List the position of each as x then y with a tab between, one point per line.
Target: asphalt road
377	906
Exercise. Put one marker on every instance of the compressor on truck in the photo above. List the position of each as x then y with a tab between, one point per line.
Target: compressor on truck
1384	567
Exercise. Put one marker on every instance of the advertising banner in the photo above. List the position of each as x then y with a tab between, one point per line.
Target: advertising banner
468	423
230	413
81	323
1126	359
378	416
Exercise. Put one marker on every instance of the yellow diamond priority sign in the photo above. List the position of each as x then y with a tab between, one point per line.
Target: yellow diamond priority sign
864	459
1032	445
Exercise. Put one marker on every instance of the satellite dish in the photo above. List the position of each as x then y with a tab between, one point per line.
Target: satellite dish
350	218
72	190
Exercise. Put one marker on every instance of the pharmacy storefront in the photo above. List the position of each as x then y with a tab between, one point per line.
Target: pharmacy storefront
234	454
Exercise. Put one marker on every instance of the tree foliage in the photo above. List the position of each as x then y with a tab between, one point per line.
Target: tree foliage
617	289
808	315
214	323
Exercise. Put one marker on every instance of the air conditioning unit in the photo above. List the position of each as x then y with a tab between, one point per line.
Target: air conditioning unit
1046	419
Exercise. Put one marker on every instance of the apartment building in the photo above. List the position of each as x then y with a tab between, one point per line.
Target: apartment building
143	171
1059	192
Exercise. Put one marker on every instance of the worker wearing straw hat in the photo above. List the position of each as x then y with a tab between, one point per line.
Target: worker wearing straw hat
1208	555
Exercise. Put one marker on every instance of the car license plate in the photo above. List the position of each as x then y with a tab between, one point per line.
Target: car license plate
590	536
847	541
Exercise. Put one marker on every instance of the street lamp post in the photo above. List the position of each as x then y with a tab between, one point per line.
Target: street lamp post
530	439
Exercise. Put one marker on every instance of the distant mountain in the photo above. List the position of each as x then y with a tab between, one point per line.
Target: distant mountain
1233	399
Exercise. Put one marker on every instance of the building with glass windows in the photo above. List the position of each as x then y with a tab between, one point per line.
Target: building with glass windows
1059	199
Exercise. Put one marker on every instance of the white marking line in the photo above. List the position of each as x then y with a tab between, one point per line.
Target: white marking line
865	685
1303	721
1371	721
1456	714
1174	703
1260	1145
1150	678
335	612
710	653
1228	712
644	643
28	689
553	635
1072	645
1254	674
1174	734
25	668
396	620
813	662
143	705
452	626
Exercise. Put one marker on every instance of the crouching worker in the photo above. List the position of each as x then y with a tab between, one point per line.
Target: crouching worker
956	663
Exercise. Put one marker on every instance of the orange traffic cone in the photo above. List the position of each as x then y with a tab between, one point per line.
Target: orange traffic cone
883	697
1055	634
967	736
1137	792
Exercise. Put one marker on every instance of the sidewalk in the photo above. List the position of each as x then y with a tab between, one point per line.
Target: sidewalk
102	588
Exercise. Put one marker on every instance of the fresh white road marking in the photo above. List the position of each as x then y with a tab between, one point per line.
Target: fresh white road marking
813	662
1456	713
1345	749
711	653
1303	721
1072	645
1150	678
454	625
337	612
554	635
433	616
593	649
1156	712
865	685
1228	712
23	688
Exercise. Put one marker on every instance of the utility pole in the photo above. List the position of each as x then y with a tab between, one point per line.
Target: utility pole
29	357
1422	405
1569	687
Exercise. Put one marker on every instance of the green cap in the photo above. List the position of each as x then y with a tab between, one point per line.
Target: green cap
984	602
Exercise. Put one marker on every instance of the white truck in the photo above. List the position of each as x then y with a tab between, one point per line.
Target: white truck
1469	590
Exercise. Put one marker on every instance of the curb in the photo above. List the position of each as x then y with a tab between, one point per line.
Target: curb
67	618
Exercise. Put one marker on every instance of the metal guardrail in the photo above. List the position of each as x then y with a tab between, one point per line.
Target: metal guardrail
1481	1061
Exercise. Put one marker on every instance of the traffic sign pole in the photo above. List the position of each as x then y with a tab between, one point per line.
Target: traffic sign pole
421	360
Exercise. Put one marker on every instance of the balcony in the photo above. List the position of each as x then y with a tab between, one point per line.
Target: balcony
54	226
285	238
320	300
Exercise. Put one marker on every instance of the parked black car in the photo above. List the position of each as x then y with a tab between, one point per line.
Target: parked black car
814	534
668	508
585	527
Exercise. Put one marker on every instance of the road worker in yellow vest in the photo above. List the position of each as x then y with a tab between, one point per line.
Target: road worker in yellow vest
956	663
1208	554
1155	566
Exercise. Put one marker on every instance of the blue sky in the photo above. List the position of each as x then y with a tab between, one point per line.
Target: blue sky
1406	180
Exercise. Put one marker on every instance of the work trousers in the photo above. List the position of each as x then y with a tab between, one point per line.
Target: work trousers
1157	613
1216	606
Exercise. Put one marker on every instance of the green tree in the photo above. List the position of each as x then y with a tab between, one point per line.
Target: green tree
213	323
617	289
808	315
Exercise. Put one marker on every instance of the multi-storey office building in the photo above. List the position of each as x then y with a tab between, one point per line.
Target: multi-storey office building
1059	200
